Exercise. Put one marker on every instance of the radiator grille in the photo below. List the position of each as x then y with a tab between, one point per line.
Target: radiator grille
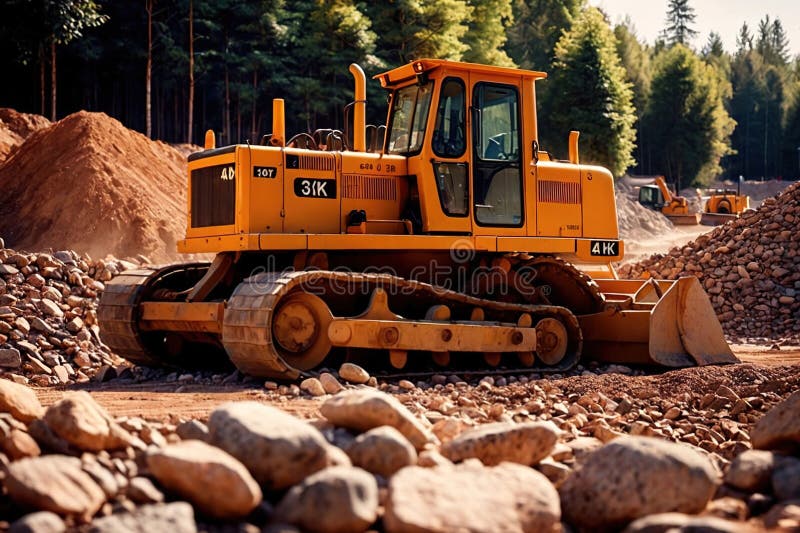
213	196
368	187
559	192
317	162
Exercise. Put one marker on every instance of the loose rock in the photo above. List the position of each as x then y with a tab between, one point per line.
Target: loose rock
216	483
175	517
526	443
365	409
353	373
41	522
382	451
779	428
278	449
82	422
337	499
54	483
468	497
20	401
658	476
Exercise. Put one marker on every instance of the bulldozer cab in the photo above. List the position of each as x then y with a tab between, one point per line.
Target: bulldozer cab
469	133
650	196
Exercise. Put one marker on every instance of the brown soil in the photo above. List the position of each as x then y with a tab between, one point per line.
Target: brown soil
15	127
159	401
88	183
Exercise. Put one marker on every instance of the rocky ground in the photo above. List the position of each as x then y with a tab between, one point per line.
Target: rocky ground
711	447
750	269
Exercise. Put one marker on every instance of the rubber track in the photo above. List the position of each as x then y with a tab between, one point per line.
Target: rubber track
247	325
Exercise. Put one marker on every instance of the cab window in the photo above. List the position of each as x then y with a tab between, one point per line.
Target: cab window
496	148
409	117
448	136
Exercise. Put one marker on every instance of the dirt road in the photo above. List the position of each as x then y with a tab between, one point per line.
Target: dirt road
160	401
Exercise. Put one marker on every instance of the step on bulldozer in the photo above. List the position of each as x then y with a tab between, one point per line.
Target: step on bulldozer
446	238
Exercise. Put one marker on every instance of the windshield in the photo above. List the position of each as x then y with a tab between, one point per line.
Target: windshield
409	116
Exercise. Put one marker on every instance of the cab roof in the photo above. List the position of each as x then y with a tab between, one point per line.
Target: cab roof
400	75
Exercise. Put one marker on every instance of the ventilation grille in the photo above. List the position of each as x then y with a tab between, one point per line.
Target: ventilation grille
368	187
317	162
213	196
559	192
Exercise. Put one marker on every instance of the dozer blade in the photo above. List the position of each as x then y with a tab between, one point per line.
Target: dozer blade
692	219
669	323
715	219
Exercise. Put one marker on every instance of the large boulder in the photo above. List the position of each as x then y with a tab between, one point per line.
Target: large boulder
20	401
339	499
364	409
278	449
177	517
470	497
214	481
382	451
83	423
54	483
526	443
633	477
779	428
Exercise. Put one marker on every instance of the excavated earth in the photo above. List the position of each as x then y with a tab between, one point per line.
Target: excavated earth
89	442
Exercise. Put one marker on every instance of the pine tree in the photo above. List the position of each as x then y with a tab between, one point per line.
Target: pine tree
592	95
680	17
714	46
486	35
635	58
744	41
687	118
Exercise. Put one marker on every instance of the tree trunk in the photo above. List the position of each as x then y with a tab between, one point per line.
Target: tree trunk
238	116
189	136
41	79
253	131
227	119
148	77
53	80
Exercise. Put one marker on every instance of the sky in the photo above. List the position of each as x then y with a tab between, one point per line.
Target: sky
723	16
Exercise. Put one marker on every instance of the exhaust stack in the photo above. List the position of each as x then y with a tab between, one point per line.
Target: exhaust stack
278	123
359	112
574	158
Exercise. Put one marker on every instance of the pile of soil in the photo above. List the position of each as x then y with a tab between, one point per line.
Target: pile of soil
89	184
15	127
750	268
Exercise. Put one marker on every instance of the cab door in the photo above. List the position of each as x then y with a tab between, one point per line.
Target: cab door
497	185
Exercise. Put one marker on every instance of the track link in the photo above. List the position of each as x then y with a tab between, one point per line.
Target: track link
247	326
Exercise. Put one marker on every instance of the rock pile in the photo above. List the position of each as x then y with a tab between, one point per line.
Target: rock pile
48	323
89	184
577	461
750	268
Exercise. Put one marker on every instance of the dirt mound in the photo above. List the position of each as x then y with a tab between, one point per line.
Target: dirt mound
89	184
750	268
15	127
